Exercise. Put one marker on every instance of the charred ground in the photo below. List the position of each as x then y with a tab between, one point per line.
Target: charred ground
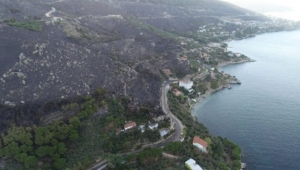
55	51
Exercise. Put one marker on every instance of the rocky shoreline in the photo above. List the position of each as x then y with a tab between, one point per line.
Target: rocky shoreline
232	63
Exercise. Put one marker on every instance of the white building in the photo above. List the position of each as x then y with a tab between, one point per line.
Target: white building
142	128
153	126
214	45
191	164
200	143
187	84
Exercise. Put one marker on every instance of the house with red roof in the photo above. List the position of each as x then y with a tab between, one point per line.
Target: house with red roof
129	125
200	143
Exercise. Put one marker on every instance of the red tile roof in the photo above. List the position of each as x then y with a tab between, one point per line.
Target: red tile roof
200	141
130	125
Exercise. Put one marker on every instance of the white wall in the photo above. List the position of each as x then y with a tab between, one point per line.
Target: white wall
200	147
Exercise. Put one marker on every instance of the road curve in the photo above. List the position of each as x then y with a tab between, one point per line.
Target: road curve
165	107
174	121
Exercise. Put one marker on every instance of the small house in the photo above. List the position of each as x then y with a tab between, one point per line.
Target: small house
153	126
200	143
129	125
192	165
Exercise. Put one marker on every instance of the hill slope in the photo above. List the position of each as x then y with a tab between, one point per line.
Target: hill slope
57	50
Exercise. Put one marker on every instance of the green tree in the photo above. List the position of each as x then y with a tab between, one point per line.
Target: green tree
149	155
30	161
74	136
43	135
42	151
60	163
75	122
208	140
11	149
115	162
223	166
61	148
236	165
26	148
217	149
21	157
173	147
214	84
74	106
236	154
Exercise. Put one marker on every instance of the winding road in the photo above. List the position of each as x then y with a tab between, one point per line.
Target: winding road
175	123
165	107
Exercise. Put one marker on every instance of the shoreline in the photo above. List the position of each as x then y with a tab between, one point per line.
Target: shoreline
212	91
233	63
202	97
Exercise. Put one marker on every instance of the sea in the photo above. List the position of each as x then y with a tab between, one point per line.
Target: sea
262	115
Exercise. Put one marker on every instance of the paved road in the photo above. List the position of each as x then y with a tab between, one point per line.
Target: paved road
100	165
164	102
178	126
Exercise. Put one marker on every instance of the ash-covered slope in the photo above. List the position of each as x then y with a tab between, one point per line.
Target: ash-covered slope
58	49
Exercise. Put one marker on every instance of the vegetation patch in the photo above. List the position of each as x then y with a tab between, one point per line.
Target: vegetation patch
29	25
44	147
160	32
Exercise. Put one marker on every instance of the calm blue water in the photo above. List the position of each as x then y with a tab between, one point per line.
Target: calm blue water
263	114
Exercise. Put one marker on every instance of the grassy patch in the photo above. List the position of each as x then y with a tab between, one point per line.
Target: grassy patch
160	32
29	25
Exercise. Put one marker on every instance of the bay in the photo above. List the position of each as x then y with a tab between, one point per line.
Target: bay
263	114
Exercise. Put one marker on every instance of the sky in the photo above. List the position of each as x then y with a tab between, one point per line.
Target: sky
288	9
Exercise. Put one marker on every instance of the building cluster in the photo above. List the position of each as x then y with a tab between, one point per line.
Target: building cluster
131	125
230	28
